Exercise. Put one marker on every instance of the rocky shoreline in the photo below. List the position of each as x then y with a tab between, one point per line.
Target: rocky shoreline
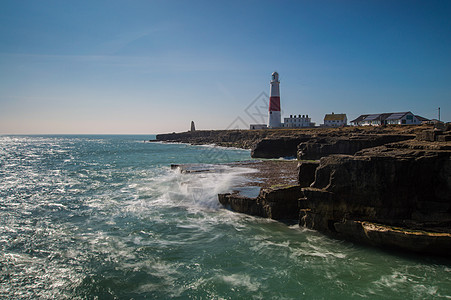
388	187
316	142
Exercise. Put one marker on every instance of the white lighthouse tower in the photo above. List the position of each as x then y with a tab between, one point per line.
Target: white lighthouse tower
274	120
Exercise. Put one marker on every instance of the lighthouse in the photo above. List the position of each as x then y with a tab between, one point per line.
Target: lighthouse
274	120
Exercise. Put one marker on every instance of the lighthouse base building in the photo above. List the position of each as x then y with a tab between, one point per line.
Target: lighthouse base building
297	122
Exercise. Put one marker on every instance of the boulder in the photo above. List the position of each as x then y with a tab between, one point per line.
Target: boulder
278	203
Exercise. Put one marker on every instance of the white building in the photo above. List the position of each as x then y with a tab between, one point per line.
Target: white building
297	121
258	126
402	118
335	120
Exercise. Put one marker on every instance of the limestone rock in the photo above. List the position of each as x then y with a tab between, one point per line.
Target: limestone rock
276	203
278	147
406	185
306	172
395	237
322	146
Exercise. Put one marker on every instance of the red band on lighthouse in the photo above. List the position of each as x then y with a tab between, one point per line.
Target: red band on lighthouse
274	103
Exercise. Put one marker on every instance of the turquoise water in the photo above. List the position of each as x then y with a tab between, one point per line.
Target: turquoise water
104	217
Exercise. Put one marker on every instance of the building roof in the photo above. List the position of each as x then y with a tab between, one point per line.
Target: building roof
423	119
335	117
359	119
397	116
381	117
373	117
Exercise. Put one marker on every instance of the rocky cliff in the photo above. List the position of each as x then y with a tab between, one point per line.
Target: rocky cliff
388	186
384	185
395	195
320	146
245	139
278	147
307	144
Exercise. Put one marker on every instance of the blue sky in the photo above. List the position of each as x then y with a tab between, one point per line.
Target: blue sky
153	66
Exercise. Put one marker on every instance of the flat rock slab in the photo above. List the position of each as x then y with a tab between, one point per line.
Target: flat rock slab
268	173
271	173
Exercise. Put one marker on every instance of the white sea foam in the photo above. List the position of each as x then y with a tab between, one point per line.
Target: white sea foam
192	190
215	146
241	280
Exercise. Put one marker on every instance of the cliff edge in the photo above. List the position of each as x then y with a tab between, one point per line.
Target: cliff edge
396	195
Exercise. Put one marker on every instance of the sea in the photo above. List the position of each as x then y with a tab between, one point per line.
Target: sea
105	217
